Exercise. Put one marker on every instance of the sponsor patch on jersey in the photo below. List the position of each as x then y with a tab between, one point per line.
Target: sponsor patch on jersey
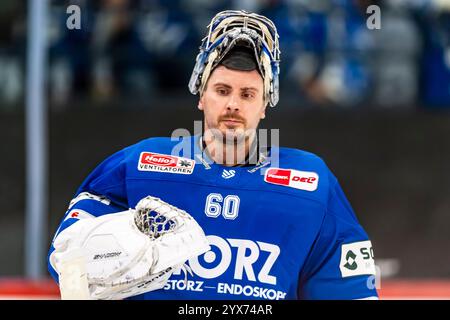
149	161
303	180
357	259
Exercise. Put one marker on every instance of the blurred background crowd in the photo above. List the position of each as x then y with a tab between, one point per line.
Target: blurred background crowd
144	49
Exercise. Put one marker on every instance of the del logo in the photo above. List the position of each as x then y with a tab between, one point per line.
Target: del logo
303	180
149	161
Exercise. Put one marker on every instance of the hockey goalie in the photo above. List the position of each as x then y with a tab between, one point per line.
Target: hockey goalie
277	220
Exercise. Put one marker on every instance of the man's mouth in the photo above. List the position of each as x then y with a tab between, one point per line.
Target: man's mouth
231	121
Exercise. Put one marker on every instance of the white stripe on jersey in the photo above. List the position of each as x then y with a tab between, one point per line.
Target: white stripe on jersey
87	195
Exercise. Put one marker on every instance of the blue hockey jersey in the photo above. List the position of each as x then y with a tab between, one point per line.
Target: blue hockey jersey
276	232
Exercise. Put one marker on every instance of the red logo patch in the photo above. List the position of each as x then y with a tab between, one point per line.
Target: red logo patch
159	160
278	176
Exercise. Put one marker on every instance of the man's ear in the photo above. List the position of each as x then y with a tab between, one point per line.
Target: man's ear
263	112
200	102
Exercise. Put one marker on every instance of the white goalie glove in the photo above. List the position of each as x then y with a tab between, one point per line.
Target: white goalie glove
124	254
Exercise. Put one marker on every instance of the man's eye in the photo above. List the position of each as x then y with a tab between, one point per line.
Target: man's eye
222	91
247	95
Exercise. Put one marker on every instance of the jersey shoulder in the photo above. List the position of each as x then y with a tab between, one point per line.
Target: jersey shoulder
160	145
156	144
329	190
302	160
305	174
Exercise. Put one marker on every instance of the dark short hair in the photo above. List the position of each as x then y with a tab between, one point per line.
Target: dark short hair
240	58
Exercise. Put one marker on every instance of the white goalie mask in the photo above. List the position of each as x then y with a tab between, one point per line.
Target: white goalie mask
251	30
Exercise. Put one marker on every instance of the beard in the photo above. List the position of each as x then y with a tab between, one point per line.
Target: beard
230	141
230	134
235	134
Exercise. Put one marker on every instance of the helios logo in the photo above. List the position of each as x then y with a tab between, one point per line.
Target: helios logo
151	158
149	161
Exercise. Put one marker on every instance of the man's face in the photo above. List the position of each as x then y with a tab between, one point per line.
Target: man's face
233	102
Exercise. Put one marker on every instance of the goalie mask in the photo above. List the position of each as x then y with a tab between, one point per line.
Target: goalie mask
230	29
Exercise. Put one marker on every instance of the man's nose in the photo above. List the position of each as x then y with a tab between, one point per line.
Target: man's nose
233	104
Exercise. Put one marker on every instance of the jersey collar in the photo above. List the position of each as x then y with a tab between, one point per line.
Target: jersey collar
254	158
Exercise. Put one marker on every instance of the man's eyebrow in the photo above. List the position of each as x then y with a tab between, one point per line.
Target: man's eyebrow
249	89
221	84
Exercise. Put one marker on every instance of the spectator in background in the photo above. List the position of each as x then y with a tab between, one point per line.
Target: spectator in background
346	77
70	54
338	61
302	28
12	53
122	63
435	64
168	32
201	11
395	64
327	47
132	48
335	70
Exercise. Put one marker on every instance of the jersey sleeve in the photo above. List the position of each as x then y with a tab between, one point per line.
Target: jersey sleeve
102	192
340	265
